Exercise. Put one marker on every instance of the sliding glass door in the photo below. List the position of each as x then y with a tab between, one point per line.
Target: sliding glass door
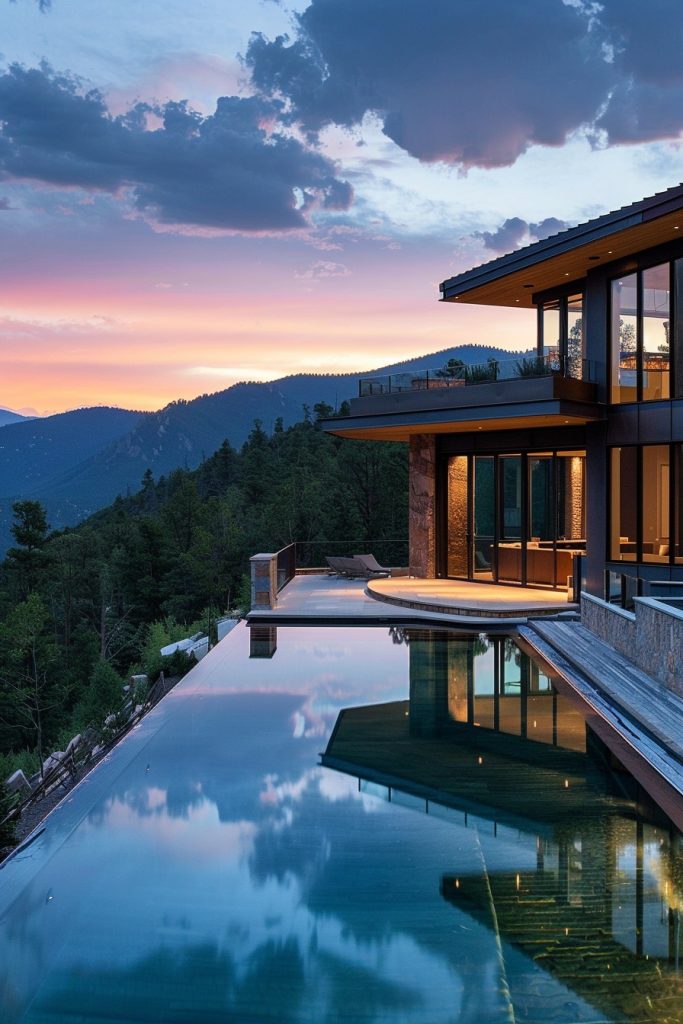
515	517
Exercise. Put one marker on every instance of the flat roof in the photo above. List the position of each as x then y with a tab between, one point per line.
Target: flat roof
514	279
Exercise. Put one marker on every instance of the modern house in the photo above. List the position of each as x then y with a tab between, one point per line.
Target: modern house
518	468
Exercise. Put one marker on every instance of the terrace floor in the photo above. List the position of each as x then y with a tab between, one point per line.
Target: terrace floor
402	599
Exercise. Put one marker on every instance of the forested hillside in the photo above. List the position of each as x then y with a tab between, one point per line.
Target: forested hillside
81	609
67	463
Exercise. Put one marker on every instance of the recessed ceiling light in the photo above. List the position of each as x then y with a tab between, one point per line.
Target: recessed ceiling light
675	227
567	274
516	300
609	252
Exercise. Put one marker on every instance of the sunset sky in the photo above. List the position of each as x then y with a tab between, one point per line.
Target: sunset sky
195	194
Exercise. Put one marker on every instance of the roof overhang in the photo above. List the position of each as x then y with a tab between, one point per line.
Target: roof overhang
516	279
400	427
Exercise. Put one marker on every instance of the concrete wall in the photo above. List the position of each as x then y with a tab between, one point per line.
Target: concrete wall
652	637
421	505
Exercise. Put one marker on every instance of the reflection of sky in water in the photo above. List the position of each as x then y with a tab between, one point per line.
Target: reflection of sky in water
208	870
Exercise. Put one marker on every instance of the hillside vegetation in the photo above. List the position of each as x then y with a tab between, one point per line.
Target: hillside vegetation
78	462
83	608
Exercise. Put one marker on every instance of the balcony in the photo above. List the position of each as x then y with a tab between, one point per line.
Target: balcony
458	374
532	391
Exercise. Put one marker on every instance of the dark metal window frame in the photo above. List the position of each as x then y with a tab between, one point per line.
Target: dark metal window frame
639	271
442	508
674	481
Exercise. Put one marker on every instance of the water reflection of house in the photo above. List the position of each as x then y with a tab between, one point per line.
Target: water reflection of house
488	741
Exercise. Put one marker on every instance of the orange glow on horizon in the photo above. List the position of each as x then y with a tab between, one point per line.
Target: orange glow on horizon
63	349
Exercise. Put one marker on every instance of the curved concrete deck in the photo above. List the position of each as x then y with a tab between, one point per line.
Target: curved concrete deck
453	597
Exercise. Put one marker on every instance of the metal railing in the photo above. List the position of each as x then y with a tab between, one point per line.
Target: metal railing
458	374
286	566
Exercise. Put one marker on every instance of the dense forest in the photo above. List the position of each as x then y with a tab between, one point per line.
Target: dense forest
84	608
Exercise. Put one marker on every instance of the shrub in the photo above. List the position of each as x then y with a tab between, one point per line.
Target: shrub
534	366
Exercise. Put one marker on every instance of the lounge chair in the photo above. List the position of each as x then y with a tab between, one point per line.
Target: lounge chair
372	566
350	568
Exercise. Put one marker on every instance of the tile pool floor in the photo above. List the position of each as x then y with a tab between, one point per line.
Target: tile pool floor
212	869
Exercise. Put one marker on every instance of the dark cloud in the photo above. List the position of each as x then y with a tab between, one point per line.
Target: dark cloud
475	84
514	231
224	171
464	82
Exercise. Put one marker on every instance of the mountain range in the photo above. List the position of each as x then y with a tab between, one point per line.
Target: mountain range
77	462
10	416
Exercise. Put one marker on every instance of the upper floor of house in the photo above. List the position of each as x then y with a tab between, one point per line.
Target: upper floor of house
608	296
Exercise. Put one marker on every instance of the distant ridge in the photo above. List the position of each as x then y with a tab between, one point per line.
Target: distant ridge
77	462
8	416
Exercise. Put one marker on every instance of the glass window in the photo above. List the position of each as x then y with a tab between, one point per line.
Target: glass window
655	503
484	516
678	503
540	499
551	329
623	506
511	487
575	341
656	325
624	334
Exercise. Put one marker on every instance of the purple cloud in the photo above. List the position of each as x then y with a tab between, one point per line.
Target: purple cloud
514	231
229	170
476	84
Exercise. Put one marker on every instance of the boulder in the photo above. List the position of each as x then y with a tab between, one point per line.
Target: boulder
73	744
18	783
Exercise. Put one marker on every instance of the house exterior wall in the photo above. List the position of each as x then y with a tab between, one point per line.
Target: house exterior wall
422	505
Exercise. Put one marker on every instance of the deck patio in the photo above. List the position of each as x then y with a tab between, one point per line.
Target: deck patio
325	597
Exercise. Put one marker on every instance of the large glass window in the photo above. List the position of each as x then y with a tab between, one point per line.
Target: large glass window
551	329
656	326
640	489
563	334
641	335
516	518
575	351
624	339
678	503
655	503
484	498
540	498
624	507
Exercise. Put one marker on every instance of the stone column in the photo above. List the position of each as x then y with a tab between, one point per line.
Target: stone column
263	580
421	505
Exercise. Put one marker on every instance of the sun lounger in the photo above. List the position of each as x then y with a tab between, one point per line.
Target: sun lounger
350	568
373	565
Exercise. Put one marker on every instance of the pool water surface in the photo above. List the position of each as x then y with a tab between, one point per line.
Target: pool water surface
350	824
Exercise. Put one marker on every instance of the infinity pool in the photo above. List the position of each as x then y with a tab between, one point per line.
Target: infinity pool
338	824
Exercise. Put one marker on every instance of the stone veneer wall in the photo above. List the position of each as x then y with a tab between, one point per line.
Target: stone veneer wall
652	638
421	505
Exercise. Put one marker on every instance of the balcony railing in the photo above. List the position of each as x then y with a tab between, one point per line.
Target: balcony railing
456	374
